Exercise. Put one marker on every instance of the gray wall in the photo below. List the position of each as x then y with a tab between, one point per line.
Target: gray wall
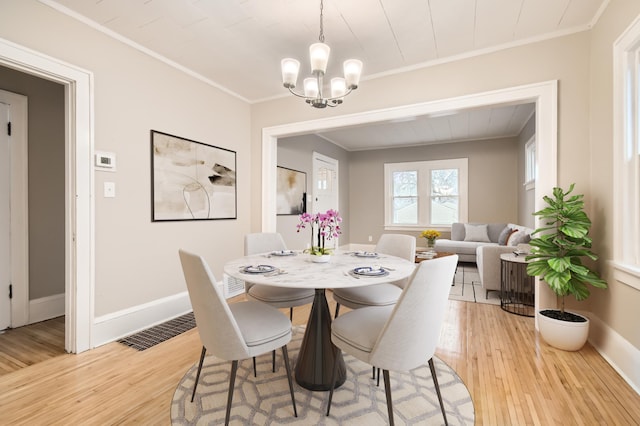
492	182
296	153
46	179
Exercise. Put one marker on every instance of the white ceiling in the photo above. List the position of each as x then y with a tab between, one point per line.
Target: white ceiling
237	45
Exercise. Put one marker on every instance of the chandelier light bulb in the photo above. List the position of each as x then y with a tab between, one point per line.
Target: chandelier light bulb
311	89
352	71
319	57
338	88
290	68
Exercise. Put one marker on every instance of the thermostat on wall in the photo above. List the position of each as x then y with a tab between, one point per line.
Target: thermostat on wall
106	161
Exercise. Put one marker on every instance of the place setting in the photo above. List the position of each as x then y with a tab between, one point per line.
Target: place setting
281	253
374	271
264	270
366	254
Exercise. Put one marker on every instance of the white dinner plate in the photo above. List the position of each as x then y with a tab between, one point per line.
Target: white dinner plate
258	269
369	271
283	253
366	254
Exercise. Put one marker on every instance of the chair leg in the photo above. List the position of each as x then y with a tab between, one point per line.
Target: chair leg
373	372
333	380
437	386
195	385
232	382
291	314
255	374
285	355
378	382
337	310
387	391
273	361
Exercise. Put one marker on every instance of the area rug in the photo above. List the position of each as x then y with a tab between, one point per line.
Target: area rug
150	337
467	287
265	400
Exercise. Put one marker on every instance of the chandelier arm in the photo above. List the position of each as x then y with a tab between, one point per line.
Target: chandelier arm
293	92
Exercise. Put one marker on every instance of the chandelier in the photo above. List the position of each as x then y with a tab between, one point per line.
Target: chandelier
319	56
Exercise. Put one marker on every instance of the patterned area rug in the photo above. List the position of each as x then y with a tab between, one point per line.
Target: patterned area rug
265	400
467	287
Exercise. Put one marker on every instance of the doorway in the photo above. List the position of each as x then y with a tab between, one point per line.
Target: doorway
544	95
78	182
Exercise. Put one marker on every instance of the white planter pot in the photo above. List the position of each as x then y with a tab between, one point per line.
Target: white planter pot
565	335
324	258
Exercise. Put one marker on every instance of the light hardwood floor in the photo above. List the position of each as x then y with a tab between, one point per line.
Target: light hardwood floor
513	378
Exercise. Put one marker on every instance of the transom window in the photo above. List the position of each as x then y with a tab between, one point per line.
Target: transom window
425	193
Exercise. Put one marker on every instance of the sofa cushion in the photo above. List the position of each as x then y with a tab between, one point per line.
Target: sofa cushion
493	230
504	236
459	247
477	233
518	237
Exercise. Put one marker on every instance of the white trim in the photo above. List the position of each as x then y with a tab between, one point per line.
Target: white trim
19	207
79	182
46	308
626	274
114	326
544	94
616	350
626	197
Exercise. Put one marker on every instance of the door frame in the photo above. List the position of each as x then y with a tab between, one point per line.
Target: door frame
19	201
543	94
79	181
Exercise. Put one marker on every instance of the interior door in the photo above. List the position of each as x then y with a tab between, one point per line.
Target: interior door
5	219
325	186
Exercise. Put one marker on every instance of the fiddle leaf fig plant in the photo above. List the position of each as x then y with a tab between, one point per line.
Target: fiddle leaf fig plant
557	252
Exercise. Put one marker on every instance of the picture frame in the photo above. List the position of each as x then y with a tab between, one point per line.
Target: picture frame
291	192
191	180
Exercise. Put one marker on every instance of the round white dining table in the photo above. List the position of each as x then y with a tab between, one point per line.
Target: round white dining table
317	354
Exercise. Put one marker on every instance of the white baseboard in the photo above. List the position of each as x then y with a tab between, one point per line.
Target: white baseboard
114	326
617	351
46	308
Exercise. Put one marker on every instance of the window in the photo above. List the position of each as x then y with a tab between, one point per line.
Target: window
627	156
530	165
425	194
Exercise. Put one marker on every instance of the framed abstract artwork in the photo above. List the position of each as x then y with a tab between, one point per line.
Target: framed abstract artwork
191	180
291	193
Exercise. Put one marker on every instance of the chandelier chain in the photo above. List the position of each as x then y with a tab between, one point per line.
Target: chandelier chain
321	37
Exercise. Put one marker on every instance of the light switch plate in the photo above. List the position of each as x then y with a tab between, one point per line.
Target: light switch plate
109	190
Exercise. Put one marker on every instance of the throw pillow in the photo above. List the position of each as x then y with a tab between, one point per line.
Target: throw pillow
504	236
518	237
477	233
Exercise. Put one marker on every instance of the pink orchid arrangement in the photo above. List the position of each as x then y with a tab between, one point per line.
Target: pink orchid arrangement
328	227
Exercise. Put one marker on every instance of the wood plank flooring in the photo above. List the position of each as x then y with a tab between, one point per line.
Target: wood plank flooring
514	378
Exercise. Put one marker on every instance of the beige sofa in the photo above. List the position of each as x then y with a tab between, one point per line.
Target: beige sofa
488	258
473	244
464	241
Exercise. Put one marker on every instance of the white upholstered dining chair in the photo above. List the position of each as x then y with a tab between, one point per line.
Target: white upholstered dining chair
403	336
278	297
398	245
232	332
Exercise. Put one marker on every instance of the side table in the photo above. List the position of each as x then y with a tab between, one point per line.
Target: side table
517	289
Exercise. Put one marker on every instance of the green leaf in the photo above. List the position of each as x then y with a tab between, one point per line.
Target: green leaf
560	264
